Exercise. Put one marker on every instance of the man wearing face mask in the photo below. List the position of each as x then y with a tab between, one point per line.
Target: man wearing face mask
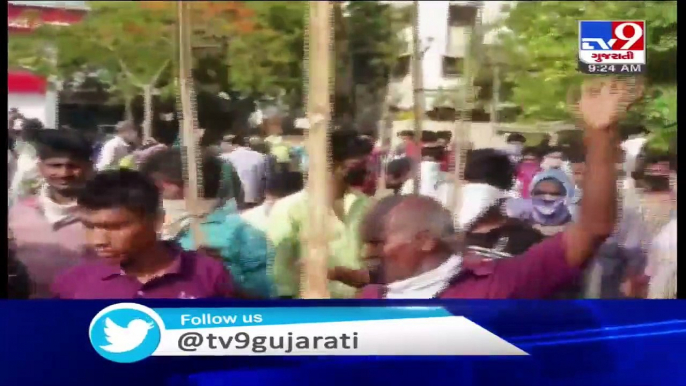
515	145
490	233
550	207
242	248
433	182
398	171
289	217
421	259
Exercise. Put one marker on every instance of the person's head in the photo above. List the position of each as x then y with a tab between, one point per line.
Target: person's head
515	144
31	129
226	144
444	138
418	235
516	138
553	158
120	210
64	160
349	157
373	234
397	172
272	120
406	135
166	167
432	150
258	144
530	154
283	184
127	131
488	176
551	192
577	162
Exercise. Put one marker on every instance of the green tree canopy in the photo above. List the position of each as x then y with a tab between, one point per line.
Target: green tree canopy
542	47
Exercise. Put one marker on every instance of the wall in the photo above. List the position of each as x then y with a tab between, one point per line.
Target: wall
31	106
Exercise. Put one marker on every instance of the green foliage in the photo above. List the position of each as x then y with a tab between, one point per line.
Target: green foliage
542	50
373	40
269	60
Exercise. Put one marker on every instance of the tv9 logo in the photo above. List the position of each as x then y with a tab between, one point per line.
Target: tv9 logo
612	46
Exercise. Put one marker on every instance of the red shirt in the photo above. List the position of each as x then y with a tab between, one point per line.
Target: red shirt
538	273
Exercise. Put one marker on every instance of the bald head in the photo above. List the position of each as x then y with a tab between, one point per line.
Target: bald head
373	224
418	236
416	214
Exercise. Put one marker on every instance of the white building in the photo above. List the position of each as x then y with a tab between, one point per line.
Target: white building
443	33
26	91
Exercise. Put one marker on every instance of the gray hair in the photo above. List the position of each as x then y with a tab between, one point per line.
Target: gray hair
272	112
415	214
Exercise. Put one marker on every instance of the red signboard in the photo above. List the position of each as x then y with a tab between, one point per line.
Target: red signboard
19	17
23	19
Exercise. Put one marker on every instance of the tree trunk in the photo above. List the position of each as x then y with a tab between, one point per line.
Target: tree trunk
128	109
418	85
314	283
188	122
148	110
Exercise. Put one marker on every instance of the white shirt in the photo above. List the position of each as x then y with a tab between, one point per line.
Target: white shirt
11	167
112	152
251	167
432	183
662	264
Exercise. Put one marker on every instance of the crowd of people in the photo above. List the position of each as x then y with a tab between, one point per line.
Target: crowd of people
533	222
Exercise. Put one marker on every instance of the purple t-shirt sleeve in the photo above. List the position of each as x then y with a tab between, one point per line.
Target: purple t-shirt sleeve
223	284
61	287
537	273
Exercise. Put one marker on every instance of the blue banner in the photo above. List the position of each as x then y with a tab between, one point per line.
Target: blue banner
568	342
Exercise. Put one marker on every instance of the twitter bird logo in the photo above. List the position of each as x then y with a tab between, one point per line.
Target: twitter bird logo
125	339
126	332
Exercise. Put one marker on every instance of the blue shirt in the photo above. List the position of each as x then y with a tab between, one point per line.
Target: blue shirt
244	249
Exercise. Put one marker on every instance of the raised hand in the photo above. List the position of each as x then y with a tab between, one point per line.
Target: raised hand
603	102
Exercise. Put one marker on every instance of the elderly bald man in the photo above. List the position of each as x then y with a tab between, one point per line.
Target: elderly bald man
422	259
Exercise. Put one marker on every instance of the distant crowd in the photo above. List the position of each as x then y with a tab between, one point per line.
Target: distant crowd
111	221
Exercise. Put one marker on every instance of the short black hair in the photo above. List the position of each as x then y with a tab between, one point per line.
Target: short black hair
168	165
446	135
32	124
531	151
489	166
398	167
285	183
121	189
347	144
516	137
429	136
406	133
63	143
238	140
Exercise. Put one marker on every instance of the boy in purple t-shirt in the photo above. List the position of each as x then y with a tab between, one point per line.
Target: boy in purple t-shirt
120	210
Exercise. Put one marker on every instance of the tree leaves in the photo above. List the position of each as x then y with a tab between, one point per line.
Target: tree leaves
542	54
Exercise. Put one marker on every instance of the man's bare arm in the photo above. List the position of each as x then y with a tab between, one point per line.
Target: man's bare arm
601	106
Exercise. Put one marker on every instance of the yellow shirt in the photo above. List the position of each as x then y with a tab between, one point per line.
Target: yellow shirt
287	225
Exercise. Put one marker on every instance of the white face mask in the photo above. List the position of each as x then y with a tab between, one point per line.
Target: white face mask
476	200
515	148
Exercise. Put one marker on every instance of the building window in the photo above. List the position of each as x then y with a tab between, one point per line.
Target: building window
453	66
462	16
402	67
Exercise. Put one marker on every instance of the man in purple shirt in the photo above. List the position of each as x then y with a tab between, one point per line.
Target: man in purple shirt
418	244
120	210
